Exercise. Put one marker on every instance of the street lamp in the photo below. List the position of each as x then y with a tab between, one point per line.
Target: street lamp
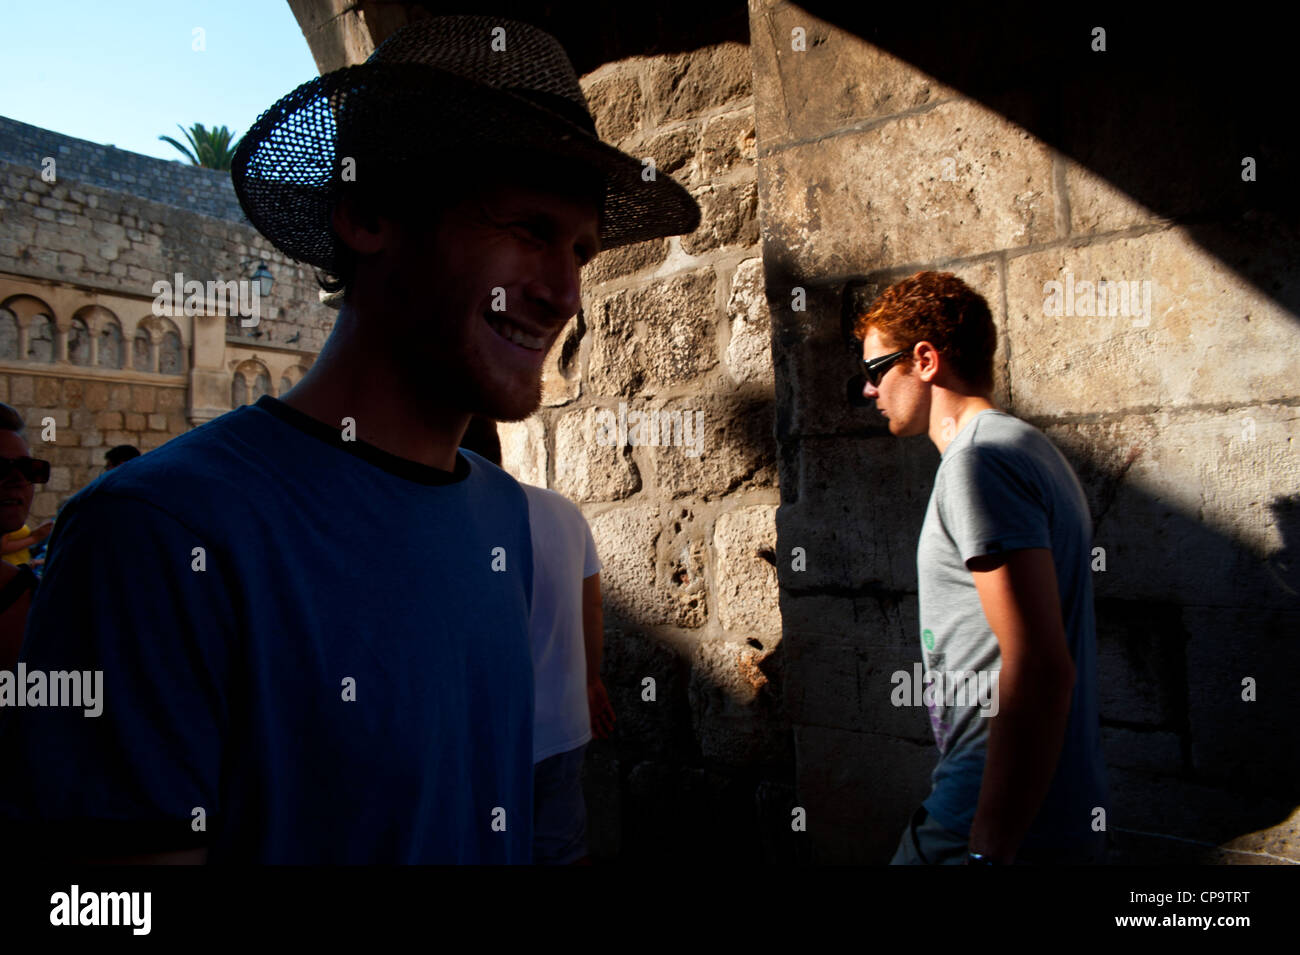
262	276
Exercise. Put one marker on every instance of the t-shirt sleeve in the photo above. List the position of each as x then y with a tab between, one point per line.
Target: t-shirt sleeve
124	603
591	561
989	503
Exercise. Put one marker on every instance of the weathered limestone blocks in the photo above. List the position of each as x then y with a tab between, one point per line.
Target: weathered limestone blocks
654	336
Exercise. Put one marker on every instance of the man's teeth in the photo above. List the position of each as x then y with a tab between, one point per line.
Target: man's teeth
514	333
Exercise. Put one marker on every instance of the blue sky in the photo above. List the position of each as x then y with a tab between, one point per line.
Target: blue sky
126	73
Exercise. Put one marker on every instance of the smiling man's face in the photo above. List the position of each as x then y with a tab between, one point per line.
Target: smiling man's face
478	303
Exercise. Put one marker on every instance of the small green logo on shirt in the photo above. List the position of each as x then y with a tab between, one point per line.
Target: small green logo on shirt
927	637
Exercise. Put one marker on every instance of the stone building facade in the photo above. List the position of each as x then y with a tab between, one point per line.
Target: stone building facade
85	342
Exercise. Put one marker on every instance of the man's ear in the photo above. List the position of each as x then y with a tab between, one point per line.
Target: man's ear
360	229
927	360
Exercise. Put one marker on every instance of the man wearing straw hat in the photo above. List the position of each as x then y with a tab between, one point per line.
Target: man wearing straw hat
267	697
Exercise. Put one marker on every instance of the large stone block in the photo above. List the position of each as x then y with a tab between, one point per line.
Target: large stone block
824	78
649	718
749	350
683	86
1172	353
858	790
170	400
589	465
859	512
1141	664
73	393
728	217
820	200
624	260
654	336
615	101
744	570
143	399
727	144
829	683
1098	206
673	151
651	574
736	703
730	446
1153	751
48	391
96	396
523	450
119	398
1191	507
879	619
1242	668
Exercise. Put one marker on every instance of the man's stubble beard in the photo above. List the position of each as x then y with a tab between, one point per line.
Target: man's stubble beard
439	386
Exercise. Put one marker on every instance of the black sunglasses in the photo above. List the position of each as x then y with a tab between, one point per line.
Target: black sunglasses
34	471
875	368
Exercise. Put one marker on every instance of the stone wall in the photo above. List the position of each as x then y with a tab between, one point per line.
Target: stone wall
1180	420
89	417
79	257
208	192
92	237
685	531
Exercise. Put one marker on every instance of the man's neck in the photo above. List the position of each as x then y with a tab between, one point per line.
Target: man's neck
351	380
951	411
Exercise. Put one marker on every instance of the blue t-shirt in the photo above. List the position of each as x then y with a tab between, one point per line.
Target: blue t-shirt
321	646
1003	486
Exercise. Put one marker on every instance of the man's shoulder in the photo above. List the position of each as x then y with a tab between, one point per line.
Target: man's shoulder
193	471
993	439
552	502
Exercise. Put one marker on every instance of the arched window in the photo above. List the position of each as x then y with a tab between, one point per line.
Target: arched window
238	391
261	385
78	342
40	339
8	335
110	345
141	357
169	355
285	384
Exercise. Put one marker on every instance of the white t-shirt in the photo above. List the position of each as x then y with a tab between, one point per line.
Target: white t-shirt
564	555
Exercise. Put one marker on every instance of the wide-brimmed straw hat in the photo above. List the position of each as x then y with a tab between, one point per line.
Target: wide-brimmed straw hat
439	89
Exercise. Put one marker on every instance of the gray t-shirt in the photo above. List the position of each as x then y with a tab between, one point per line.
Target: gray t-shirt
1003	486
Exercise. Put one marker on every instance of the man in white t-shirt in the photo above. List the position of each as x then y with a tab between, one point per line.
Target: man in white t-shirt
567	632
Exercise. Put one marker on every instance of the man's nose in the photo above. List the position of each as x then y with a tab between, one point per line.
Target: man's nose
560	284
869	390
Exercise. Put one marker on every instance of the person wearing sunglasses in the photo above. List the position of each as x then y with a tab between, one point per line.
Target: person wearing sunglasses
19	473
1004	593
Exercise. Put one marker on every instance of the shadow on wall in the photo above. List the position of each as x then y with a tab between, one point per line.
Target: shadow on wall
1167	114
1197	611
704	771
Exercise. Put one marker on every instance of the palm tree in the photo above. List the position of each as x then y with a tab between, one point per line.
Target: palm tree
212	149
